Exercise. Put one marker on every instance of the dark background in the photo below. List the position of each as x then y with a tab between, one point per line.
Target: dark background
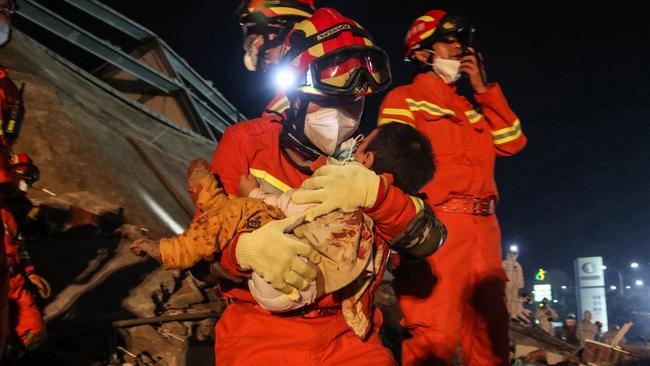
575	72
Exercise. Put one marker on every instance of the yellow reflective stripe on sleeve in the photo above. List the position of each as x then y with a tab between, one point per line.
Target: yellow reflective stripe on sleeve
383	121
281	105
280	10
419	205
473	116
507	134
432	109
397	112
275	182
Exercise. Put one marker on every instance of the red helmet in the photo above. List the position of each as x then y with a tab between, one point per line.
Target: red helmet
329	54
269	11
435	25
24	167
272	20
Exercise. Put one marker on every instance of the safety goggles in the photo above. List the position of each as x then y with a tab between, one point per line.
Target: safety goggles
454	28
355	70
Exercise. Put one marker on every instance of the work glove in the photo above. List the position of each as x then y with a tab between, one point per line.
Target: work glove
345	187
44	289
273	255
144	246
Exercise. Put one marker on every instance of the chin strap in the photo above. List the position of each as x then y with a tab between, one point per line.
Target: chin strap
295	145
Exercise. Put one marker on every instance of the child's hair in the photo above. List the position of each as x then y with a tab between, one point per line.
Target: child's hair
404	152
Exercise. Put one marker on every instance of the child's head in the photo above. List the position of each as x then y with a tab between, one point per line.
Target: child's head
401	150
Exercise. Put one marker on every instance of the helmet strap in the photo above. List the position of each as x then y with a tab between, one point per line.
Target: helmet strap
301	152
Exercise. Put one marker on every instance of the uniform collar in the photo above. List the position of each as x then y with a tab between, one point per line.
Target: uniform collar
434	82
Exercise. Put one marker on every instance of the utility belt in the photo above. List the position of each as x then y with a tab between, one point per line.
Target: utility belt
309	311
483	206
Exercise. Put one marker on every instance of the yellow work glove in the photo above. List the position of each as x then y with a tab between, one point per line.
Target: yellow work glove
273	255
44	289
333	187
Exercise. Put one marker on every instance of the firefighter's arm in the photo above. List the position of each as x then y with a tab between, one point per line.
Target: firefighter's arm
406	222
504	125
228	160
394	108
43	286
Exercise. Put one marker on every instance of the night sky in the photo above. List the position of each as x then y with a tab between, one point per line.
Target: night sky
576	73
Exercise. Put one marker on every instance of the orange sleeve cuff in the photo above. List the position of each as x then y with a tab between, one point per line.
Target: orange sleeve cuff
229	260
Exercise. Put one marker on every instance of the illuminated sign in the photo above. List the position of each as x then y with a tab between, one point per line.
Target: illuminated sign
541	292
541	274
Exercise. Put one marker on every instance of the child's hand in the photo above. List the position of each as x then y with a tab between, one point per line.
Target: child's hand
246	185
143	247
197	170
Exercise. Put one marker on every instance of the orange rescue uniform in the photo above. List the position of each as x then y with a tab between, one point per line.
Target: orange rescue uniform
249	335
462	300
25	317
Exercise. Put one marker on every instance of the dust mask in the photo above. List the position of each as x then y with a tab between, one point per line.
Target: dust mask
5	30
328	127
446	69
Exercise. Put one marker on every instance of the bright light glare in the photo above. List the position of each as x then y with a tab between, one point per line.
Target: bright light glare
634	265
603	267
563	287
628	287
514	248
638	282
612	287
285	79
555	301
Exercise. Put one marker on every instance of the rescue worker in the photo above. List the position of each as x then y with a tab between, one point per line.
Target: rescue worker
265	25
545	314
463	300
7	177
26	320
515	284
587	329
335	64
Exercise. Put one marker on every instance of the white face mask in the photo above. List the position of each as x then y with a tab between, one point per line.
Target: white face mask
446	69
5	29
328	127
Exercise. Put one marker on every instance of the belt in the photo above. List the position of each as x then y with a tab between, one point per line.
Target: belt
470	205
308	311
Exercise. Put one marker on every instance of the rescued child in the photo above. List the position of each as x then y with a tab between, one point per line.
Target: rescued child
398	152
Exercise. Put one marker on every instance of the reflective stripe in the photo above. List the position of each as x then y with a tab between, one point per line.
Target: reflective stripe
419	205
397	112
289	11
507	134
432	109
473	116
275	182
281	105
383	121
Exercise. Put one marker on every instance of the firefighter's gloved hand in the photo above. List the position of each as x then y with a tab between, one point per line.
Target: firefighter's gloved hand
144	246
273	255
345	187
44	289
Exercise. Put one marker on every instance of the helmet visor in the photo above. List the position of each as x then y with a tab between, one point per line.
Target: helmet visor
352	70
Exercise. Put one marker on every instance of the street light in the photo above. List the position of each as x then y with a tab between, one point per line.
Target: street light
563	287
634	265
612	287
638	283
628	287
620	278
